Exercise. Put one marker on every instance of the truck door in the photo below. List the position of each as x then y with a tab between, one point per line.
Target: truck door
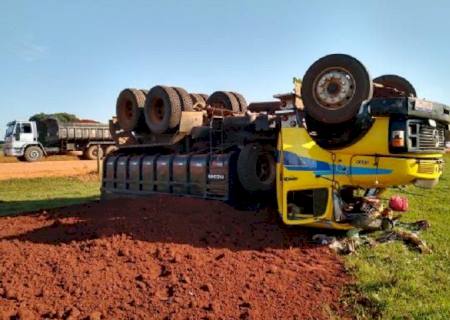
24	132
303	194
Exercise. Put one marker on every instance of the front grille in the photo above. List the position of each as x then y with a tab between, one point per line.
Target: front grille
426	167
424	137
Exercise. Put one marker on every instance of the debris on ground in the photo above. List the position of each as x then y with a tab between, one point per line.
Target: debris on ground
371	217
409	237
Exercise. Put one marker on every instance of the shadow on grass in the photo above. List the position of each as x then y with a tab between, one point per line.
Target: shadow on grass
31	206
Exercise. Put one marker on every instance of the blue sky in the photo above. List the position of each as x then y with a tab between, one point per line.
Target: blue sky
76	56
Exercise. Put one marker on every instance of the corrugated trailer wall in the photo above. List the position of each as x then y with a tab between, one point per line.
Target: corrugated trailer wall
52	132
75	131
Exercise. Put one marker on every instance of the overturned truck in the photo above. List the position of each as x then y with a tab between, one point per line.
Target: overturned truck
316	153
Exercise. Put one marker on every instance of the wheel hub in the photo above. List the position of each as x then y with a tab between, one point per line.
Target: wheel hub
334	88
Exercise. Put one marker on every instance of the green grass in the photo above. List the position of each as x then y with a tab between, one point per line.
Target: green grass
24	195
396	282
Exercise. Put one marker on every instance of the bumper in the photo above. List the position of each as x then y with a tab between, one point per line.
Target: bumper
12	152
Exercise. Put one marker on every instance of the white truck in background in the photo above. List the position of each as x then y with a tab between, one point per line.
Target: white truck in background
32	140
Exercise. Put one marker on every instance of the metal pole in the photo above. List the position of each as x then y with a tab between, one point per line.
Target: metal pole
98	159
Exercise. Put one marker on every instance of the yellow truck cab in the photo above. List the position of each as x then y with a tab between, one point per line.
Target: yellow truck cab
309	176
401	143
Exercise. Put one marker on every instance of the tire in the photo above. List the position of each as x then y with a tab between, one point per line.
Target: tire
129	109
162	109
198	102
397	82
185	98
241	100
90	153
334	87
256	168
33	153
223	100
109	149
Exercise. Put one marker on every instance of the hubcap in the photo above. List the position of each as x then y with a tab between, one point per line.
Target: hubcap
334	88
157	110
263	167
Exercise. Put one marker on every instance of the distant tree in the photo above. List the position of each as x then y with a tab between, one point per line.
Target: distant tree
60	116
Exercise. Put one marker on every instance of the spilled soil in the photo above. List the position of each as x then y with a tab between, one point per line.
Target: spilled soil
163	258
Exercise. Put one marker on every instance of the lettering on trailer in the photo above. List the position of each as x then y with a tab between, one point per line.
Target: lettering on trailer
218	177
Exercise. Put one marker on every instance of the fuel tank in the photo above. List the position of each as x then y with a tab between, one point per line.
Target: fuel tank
209	175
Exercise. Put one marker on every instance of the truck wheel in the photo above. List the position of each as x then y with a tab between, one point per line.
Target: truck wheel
129	107
396	82
198	102
241	100
162	109
185	99
91	152
334	88
33	153
223	100
256	168
109	149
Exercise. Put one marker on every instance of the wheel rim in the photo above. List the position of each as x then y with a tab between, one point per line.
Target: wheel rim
263	167
34	154
333	88
157	110
129	110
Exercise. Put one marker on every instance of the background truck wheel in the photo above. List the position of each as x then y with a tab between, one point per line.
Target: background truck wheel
198	102
396	82
334	87
241	100
185	99
33	153
256	168
91	152
109	149
129	109
223	100
162	109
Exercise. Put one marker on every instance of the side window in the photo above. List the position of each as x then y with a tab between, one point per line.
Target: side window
25	128
303	203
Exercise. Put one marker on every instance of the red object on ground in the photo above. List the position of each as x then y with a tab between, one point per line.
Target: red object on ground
164	258
398	203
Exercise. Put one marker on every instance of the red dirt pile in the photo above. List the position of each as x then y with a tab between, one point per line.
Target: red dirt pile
163	258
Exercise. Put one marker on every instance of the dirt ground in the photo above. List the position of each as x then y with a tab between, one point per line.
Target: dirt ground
163	258
46	169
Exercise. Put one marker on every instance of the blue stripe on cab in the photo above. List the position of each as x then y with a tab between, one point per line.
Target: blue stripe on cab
293	162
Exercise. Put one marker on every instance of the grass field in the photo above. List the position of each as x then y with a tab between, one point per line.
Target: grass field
24	195
399	283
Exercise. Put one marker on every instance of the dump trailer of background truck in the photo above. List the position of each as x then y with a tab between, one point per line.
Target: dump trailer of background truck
31	140
316	154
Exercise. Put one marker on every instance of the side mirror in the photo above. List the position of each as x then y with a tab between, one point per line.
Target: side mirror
17	132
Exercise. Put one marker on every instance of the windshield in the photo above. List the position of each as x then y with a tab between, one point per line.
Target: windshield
10	129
